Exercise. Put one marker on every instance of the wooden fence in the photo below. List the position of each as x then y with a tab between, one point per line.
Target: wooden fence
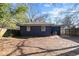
74	31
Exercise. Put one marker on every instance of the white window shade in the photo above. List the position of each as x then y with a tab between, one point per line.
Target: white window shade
43	28
28	28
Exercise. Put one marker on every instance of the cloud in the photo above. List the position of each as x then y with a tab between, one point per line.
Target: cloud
73	11
57	11
47	5
44	12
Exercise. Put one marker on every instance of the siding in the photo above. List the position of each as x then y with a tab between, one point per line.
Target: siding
35	31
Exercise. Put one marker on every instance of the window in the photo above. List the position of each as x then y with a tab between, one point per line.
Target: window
28	28
43	28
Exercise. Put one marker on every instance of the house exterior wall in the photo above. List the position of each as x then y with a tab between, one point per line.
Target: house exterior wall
35	31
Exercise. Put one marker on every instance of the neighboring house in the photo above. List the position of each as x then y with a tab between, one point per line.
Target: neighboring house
39	29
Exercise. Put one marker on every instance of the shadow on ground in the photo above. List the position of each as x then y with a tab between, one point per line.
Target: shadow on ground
72	38
26	37
70	53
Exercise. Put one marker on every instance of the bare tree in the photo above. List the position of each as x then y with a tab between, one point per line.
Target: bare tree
71	17
34	15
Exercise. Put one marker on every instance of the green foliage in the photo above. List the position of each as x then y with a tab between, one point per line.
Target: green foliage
21	9
9	17
20	14
3	9
5	19
8	34
3	13
21	18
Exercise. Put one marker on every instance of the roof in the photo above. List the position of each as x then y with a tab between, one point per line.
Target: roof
38	24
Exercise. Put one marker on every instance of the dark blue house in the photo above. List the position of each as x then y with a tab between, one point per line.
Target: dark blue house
39	29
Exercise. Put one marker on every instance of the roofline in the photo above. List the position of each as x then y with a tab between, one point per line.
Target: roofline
38	24
28	24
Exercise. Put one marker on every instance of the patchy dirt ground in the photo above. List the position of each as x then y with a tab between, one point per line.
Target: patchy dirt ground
40	46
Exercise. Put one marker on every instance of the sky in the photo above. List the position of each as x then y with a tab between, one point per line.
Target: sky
53	9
